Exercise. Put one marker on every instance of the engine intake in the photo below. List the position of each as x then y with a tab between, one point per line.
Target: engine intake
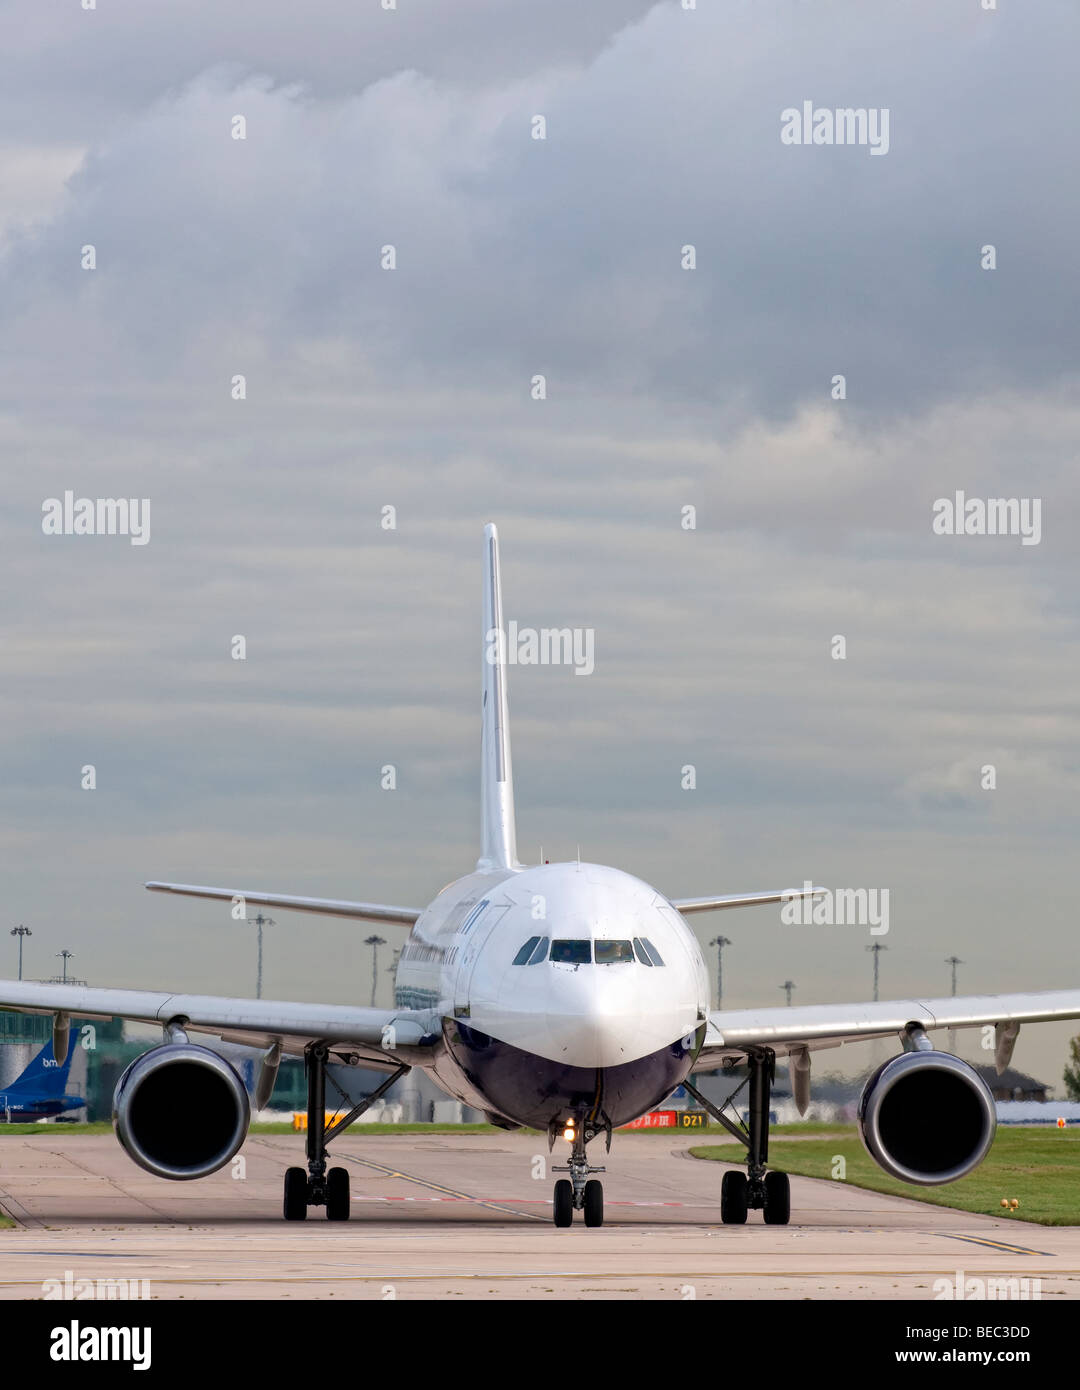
927	1118
181	1111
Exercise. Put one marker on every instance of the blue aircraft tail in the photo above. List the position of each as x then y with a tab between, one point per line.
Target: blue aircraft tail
43	1077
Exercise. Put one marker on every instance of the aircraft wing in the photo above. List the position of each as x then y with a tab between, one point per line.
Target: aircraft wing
383	1038
731	1033
715	904
329	907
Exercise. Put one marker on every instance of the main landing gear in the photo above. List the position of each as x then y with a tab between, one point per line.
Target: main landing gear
320	1186
756	1189
579	1192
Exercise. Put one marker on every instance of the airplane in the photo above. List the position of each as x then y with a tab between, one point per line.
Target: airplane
571	998
38	1094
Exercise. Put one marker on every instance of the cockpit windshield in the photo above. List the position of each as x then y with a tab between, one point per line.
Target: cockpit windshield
571	952
610	952
566	952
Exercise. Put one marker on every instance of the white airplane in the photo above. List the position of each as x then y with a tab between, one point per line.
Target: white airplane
571	998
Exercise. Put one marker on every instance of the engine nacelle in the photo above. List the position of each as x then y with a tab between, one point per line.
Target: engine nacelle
927	1118
181	1111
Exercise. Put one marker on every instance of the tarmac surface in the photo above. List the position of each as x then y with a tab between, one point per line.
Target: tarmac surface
469	1216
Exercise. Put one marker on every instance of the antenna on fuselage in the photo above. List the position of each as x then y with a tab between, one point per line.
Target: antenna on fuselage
498	835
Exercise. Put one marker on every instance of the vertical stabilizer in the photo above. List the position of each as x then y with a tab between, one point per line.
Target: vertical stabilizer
44	1078
498	837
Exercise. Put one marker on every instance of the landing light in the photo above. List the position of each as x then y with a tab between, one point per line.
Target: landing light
568	1134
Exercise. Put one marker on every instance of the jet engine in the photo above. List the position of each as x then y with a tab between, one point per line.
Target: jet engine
927	1118
181	1111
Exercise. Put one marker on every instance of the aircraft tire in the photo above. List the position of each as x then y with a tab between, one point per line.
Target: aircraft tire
294	1206
337	1194
733	1198
777	1199
564	1203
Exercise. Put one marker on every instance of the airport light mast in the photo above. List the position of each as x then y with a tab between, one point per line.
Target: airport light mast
67	955
877	948
954	961
720	942
374	942
20	931
787	987
260	922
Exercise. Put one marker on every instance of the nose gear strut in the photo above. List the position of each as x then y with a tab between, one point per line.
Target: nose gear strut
581	1192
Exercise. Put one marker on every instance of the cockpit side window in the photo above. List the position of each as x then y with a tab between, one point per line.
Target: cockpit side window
657	959
526	951
473	918
641	953
611	952
571	952
541	951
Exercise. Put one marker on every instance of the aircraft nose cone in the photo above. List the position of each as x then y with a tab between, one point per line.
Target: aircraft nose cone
590	1018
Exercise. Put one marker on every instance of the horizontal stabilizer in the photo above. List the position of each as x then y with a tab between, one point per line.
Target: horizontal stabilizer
329	907
743	899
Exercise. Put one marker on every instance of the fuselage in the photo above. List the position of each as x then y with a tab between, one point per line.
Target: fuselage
43	1109
564	990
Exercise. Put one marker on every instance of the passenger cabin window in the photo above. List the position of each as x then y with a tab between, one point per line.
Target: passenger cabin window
610	952
526	951
541	951
571	952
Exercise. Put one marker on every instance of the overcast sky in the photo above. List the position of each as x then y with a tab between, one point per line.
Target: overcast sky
666	388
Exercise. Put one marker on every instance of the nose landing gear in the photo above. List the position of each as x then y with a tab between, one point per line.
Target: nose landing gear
580	1192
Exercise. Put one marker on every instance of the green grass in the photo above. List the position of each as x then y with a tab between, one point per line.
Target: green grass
285	1127
1039	1166
16	1131
811	1127
361	1129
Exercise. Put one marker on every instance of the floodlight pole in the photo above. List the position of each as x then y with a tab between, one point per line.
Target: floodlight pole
719	942
374	942
20	931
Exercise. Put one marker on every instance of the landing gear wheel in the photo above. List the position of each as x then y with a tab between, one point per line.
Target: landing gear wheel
295	1203
733	1198
337	1195
777	1199
594	1203
564	1202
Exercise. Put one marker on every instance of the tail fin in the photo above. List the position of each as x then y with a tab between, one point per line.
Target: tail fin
44	1078
498	848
